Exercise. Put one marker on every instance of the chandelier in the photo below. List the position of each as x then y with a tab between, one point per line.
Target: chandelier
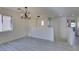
26	14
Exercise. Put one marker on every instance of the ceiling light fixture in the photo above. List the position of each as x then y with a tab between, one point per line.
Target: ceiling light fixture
26	14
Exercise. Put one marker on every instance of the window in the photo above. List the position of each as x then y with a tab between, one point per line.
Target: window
73	24
42	23
5	23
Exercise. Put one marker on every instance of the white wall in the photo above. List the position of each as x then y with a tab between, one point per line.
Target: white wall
19	26
77	25
61	29
22	27
42	32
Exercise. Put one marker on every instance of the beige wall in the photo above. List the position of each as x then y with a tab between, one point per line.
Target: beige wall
19	26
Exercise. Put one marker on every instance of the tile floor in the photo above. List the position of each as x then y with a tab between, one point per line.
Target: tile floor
33	44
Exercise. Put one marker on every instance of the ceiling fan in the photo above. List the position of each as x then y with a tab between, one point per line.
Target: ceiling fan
26	14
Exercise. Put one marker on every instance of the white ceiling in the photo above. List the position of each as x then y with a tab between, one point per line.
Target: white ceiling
51	11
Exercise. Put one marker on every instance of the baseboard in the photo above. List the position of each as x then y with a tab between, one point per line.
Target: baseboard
39	38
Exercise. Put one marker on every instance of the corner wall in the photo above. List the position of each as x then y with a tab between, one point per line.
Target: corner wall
19	26
41	32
